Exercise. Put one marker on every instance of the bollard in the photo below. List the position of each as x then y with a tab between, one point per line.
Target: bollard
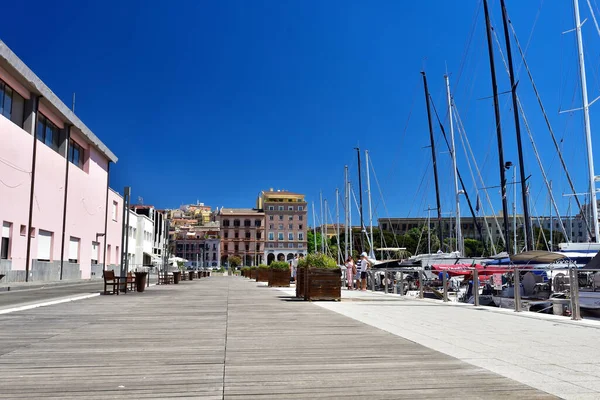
517	291
421	284
445	284
385	271
401	283
372	276
574	287
476	287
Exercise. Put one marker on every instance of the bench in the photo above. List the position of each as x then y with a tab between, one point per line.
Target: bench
164	279
111	280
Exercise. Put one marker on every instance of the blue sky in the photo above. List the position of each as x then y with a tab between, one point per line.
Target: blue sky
215	101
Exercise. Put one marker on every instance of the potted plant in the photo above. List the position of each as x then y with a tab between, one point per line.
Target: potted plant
262	273
246	272
253	272
322	278
279	274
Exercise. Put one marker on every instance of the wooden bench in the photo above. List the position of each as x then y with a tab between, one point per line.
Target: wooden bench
111	280
164	280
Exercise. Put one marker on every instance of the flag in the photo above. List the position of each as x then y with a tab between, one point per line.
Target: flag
478	205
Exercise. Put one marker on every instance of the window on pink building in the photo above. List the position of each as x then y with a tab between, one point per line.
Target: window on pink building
47	132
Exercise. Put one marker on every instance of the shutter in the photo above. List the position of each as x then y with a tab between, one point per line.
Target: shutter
5	229
74	249
95	251
44	240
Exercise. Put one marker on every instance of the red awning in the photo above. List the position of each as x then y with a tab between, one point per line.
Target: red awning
467	269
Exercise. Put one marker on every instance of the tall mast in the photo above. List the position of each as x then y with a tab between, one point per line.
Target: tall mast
324	235
314	226
337	225
371	252
498	128
586	121
513	86
322	219
433	158
459	246
362	225
346	213
350	238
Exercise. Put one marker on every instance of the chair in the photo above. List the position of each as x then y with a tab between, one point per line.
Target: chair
130	282
111	280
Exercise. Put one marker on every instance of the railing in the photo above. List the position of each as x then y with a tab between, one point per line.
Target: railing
568	287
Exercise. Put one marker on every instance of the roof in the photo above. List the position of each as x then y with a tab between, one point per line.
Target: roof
35	84
537	256
240	211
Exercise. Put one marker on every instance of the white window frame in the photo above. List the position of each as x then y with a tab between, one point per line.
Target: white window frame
95	246
271	236
280	236
300	235
6	234
290	208
290	245
74	243
290	236
300	208
271	208
280	208
44	245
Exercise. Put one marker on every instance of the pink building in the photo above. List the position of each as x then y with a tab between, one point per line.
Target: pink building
59	218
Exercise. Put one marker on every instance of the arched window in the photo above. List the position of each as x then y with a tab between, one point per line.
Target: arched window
247	223
236	222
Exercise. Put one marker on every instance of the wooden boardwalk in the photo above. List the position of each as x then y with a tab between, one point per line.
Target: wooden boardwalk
223	337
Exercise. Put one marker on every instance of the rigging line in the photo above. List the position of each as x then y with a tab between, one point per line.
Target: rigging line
469	40
537	16
383	200
541	228
530	134
419	187
537	95
403	136
362	227
9	186
594	17
464	139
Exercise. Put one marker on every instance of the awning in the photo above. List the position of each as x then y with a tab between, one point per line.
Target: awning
538	256
467	269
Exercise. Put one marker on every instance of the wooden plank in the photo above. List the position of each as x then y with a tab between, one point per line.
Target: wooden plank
223	337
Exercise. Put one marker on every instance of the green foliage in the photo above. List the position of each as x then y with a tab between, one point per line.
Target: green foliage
234	261
245	268
473	248
254	268
318	261
310	238
282	265
263	266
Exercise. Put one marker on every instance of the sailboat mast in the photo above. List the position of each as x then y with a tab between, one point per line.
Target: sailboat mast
362	224
498	128
433	158
371	252
350	235
314	226
586	120
337	224
322	219
459	246
346	213
513	86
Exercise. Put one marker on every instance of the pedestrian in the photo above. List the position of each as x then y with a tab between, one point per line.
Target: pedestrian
365	264
350	272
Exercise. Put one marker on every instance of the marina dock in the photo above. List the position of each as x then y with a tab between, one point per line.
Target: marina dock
228	337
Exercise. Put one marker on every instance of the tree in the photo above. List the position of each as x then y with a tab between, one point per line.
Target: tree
234	261
473	248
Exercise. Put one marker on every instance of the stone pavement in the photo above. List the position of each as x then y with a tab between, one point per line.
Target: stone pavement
224	338
547	352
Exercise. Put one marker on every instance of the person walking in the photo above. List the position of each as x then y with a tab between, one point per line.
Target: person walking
350	272
365	264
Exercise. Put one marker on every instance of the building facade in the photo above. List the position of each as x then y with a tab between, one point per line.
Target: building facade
199	245
286	224
54	193
242	234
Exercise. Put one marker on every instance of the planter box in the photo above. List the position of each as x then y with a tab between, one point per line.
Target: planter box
262	275
323	284
300	276
253	273
279	277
